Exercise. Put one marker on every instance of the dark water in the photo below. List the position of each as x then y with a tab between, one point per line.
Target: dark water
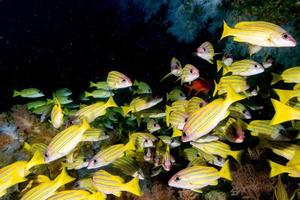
54	44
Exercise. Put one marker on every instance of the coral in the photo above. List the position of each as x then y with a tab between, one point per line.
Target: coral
188	195
23	118
215	195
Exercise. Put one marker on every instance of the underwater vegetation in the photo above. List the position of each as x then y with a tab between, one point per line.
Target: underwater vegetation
230	135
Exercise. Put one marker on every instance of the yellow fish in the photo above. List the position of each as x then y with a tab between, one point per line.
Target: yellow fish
15	173
259	33
197	177
117	80
206	52
65	141
91	112
140	103
46	189
57	115
176	68
108	155
189	73
111	184
284	113
243	68
291	75
292	167
208	117
237	83
77	195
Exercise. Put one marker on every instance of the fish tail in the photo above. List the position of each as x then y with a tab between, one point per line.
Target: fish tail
28	147
277	169
168	96
276	78
168	111
49	101
135	83
226	31
2	193
111	102
87	94
130	144
16	93
225	171
232	96
55	100
284	95
64	177
216	88
282	112
126	110
225	70
219	65
97	195
176	132
133	186
92	84
236	155
36	159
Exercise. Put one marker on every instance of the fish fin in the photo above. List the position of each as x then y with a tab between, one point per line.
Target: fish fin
166	76
135	83
284	95
138	119
42	179
295	160
117	194
36	159
64	178
225	70
211	61
232	96
225	171
85	124
236	155
92	84
276	78
130	144
110	102
219	65
167	96
216	89
2	193
126	110
16	93
226	31
176	132
97	196
87	94
28	147
49	101
214	183
133	186
168	111
282	113
237	39
197	190
277	169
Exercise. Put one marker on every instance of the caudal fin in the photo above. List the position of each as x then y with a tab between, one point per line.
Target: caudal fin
126	110
37	159
85	124
64	177
226	30
16	93
87	94
133	186
219	65
225	70
225	171
168	111
92	84
176	132
284	95
236	155
111	103
277	169
131	143
232	96
276	78
166	76
216	88
283	113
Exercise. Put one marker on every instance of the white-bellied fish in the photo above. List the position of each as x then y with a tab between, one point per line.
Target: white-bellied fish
176	68
194	104
35	104
239	110
65	92
128	166
61	99
189	73
140	103
117	80
143	140
176	94
111	184
102	94
237	83
207	118
243	68
65	141
141	88
206	52
100	85
259	33
153	126
57	115
29	93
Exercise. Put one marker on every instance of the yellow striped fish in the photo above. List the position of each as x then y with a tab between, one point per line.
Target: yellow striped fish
41	147
77	195
65	141
172	142
91	112
16	172
284	113
217	148
129	166
143	140
108	155
207	118
291	75
244	68
253	49
94	135
153	126
178	119
259	33
206	52
189	73
179	105
117	80
48	188
167	159
198	177
140	103
237	83
176	68
238	110
85	184
194	104
57	115
264	129
111	184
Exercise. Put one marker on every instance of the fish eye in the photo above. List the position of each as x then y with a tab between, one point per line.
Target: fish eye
191	71
46	155
123	80
146	141
177	178
185	120
84	160
255	66
172	140
95	161
281	131
244	111
204	49
76	185
285	36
